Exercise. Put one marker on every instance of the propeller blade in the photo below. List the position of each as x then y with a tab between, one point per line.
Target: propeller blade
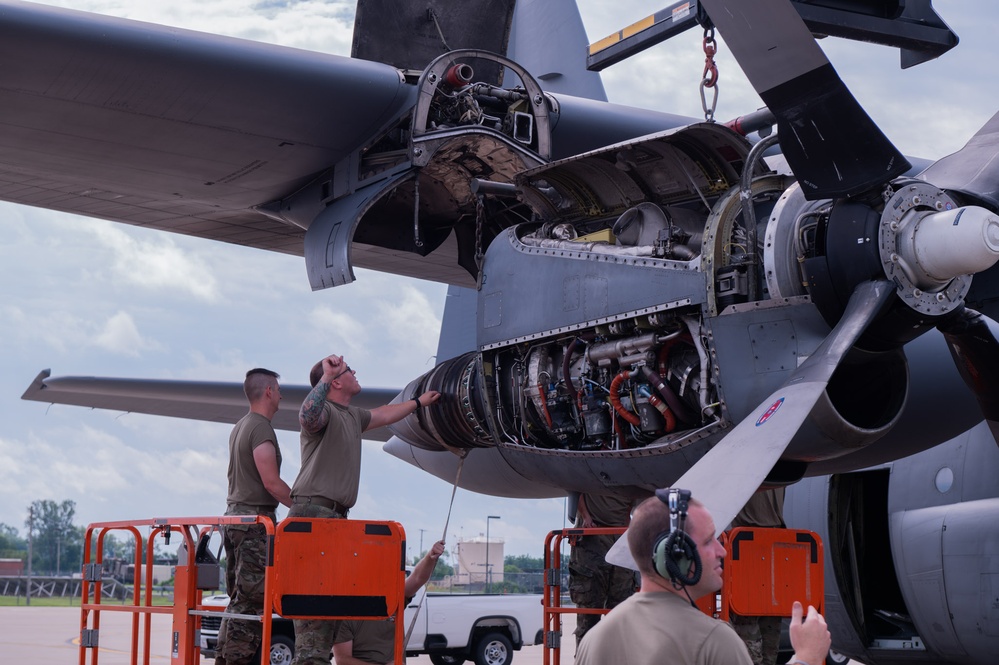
409	35
728	475
972	170
973	343
831	144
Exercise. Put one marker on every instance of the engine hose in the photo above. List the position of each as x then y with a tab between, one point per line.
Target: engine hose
543	400
567	361
676	405
615	399
665	411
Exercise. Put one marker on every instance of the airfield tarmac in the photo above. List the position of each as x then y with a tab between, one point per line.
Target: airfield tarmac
51	636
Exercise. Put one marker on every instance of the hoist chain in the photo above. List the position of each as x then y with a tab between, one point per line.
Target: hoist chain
709	79
480	214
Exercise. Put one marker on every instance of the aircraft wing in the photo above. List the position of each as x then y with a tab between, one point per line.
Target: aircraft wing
217	402
172	129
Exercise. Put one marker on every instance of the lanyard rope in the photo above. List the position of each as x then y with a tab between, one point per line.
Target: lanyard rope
423	589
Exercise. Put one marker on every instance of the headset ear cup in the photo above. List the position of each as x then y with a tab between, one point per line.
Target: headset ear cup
659	555
674	555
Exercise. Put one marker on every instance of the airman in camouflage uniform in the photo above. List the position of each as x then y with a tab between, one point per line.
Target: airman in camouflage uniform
594	583
761	634
246	556
255	488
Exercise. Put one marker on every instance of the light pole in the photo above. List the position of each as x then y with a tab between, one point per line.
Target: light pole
489	517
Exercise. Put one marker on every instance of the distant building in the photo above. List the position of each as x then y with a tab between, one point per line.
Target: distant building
472	561
11	567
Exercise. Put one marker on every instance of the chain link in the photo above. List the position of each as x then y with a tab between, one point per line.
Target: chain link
480	214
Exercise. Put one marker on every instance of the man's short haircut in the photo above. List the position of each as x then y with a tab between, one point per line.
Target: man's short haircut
316	373
649	522
257	381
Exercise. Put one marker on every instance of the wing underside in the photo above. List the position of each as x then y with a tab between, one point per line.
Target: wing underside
172	129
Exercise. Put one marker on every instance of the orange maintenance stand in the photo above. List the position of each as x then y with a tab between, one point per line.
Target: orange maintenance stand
766	570
318	569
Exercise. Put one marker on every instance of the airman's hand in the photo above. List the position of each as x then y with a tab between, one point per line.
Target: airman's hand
331	366
428	398
809	636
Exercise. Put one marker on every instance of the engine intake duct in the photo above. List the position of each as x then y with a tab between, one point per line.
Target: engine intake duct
456	421
862	403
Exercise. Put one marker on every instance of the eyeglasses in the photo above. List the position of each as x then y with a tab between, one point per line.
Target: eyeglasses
342	373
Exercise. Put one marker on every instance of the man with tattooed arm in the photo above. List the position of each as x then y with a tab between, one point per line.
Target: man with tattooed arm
331	466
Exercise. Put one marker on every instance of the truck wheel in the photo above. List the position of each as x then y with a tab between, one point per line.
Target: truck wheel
282	650
493	649
446	659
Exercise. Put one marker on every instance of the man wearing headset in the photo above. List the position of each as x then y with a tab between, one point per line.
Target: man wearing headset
680	560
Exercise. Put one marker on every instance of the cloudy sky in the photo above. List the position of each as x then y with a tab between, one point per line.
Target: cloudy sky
87	297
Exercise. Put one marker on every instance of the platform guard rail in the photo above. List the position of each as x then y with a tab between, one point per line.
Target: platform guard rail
317	569
765	571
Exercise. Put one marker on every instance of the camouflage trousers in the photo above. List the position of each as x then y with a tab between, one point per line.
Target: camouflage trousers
594	583
246	562
313	638
761	635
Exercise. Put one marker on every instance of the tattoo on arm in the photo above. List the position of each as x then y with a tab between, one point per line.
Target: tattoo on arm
312	417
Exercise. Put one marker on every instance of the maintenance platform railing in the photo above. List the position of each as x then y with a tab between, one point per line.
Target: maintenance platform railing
765	571
317	569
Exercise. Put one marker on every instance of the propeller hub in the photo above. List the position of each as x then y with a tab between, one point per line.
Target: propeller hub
930	248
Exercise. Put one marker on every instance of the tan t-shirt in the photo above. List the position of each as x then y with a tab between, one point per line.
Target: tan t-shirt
245	485
656	628
331	459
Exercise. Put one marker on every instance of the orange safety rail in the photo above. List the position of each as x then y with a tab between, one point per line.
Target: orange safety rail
765	571
552	598
307	557
186	608
341	569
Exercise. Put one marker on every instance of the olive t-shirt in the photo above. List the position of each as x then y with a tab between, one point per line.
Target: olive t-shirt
608	510
331	458
245	485
764	508
373	639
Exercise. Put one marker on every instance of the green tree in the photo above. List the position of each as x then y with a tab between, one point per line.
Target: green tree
57	544
12	546
442	569
524	563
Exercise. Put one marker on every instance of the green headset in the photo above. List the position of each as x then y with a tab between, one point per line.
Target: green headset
674	555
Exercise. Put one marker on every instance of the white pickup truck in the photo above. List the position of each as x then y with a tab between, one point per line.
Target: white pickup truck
450	628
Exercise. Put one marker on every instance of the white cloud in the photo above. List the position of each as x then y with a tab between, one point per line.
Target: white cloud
120	335
156	263
339	331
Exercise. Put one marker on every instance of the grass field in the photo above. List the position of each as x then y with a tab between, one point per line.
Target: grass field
19	601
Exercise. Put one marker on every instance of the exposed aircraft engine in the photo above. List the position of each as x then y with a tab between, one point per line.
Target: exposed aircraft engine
662	287
610	388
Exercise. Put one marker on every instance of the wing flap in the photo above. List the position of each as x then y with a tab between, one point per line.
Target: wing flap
212	401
